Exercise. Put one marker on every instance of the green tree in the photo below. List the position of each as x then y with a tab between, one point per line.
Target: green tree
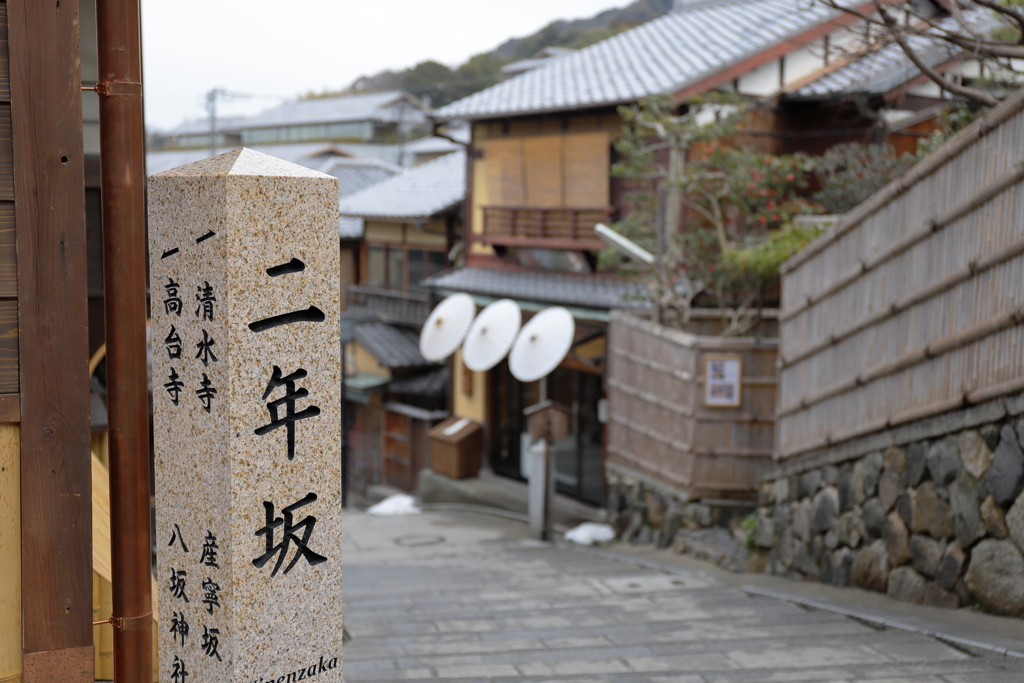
735	199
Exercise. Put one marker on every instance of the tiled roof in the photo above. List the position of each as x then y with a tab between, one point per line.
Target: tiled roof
378	106
665	55
432	144
202	126
431	383
889	67
555	288
420	192
358	174
393	347
351	228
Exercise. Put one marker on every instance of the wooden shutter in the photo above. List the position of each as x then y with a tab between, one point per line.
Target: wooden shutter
587	168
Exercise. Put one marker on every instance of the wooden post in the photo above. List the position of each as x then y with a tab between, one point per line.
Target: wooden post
49	181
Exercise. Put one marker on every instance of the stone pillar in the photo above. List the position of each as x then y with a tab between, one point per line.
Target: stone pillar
244	285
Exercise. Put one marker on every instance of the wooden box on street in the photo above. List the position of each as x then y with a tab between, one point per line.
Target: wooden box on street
456	446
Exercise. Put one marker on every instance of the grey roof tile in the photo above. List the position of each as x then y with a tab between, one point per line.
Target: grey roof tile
358	174
554	288
889	68
420	192
393	347
431	383
662	56
380	106
351	228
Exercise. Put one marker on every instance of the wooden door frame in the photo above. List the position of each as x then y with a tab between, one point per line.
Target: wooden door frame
56	503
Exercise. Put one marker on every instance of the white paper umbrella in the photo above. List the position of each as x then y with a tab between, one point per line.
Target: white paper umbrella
491	335
446	327
542	344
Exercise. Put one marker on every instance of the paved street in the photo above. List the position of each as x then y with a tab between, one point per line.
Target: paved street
469	597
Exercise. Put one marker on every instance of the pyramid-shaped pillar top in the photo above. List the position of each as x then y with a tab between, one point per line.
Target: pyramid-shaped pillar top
242	162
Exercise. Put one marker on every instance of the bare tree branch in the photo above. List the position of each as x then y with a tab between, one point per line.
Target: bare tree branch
943	82
1005	10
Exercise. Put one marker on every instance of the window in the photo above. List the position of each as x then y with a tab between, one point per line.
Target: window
396	268
402	268
376	266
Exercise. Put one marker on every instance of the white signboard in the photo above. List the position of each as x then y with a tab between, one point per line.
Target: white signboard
723	380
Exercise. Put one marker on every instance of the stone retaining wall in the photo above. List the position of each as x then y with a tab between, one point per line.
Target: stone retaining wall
644	510
937	521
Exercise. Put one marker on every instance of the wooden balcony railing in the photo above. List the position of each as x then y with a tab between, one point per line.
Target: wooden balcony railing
408	308
563	227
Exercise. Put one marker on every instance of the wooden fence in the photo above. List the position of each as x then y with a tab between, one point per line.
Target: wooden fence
658	426
912	306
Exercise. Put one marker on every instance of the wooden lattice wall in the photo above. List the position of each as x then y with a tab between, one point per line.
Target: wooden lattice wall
658	426
913	305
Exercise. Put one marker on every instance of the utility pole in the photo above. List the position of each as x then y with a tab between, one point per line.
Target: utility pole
211	107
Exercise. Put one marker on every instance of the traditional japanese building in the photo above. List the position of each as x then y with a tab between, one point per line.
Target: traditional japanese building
400	232
539	176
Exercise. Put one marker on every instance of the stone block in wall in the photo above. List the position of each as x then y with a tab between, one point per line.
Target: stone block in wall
870	568
786	550
994	518
917	463
964	499
926	512
842	564
937	596
894	460
830	475
803	514
897	540
850	529
826	508
1005	477
951	566
1015	522
697	516
874	517
889	488
782	491
857	483
805	562
990	435
943	460
656	508
782	516
926	553
872	468
810	482
974	453
764	532
844	486
996	576
906	585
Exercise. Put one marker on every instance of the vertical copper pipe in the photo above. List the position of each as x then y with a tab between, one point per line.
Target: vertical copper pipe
123	177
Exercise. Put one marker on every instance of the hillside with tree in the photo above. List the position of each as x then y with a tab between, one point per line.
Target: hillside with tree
443	84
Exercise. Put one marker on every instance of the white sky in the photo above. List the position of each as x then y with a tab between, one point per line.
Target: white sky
288	48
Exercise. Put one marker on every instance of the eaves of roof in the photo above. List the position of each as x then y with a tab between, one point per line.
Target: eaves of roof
680	54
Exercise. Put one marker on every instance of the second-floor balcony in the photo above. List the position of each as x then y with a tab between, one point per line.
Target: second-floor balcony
562	227
392	306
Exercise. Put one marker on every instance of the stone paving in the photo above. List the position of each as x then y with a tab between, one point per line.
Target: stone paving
470	597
